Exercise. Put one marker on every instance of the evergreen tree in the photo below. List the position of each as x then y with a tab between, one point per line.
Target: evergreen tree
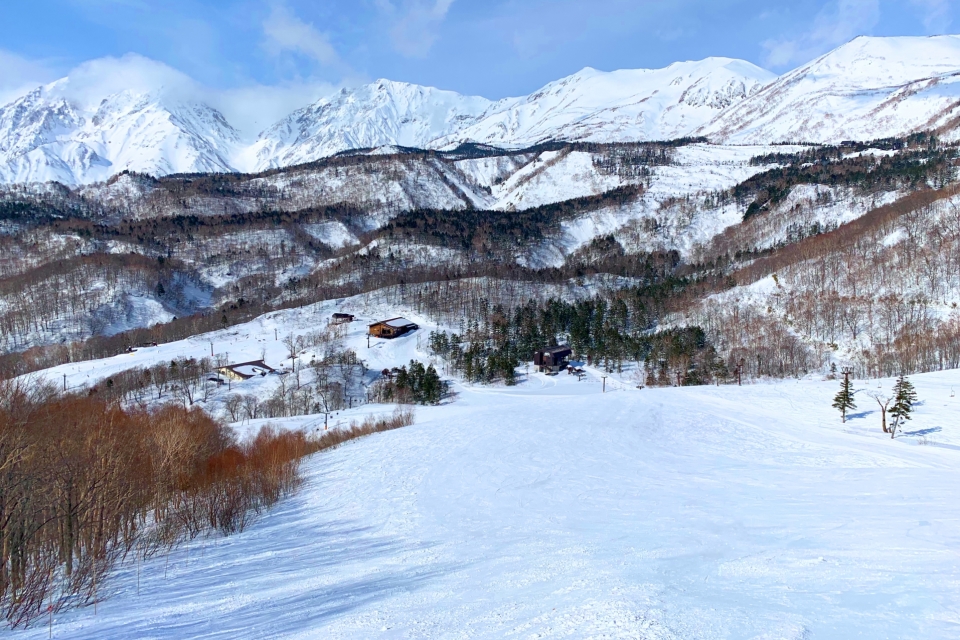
843	401
904	397
431	389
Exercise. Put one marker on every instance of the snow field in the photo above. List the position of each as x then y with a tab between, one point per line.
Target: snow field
552	510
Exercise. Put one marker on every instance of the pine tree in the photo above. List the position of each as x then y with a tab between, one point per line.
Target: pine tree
432	386
843	401
904	397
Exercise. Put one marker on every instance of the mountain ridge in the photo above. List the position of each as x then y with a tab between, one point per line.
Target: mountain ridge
866	89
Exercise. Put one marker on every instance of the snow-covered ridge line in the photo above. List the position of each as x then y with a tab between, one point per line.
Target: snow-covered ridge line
869	88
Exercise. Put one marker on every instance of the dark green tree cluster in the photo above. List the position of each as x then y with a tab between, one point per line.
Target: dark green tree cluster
921	162
417	384
606	332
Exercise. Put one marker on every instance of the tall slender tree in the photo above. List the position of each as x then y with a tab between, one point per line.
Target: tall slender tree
904	397
843	401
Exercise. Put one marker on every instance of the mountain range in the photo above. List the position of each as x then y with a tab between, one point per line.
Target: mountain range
866	89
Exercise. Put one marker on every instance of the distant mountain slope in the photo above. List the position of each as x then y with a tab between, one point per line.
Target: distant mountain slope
619	106
380	114
866	89
627	105
46	135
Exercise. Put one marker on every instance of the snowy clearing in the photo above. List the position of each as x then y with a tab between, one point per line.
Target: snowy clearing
552	510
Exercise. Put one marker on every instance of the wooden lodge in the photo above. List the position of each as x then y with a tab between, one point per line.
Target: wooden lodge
342	318
392	328
552	360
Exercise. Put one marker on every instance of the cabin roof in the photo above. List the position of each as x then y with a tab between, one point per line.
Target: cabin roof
553	350
249	369
396	323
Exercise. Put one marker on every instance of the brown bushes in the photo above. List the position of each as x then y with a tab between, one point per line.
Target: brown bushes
84	483
402	417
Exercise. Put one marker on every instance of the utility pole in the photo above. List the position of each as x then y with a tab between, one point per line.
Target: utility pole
604	383
64	382
847	372
740	372
211	348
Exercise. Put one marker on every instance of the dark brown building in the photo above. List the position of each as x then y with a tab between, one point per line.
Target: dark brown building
392	328
552	360
342	318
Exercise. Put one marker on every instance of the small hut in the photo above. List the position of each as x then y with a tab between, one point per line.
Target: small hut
552	360
392	328
342	318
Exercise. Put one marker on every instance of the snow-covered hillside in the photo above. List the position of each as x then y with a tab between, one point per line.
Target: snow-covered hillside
375	115
49	135
867	89
555	510
620	106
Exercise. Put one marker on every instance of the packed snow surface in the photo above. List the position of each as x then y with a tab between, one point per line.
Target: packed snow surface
554	510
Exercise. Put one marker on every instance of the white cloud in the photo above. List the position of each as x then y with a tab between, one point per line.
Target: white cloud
250	108
253	108
90	82
936	14
285	32
834	25
416	23
18	75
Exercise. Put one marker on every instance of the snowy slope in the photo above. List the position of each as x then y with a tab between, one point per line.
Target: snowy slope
553	510
619	106
48	135
866	89
375	115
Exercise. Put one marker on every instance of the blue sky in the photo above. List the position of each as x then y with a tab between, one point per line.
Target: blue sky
289	52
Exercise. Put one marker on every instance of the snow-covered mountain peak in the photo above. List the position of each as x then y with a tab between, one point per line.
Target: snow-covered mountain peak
868	88
381	113
57	133
624	105
133	113
885	62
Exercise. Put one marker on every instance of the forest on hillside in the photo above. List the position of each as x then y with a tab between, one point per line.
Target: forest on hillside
878	290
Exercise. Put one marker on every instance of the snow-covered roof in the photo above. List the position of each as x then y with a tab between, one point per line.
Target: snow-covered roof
249	369
396	323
